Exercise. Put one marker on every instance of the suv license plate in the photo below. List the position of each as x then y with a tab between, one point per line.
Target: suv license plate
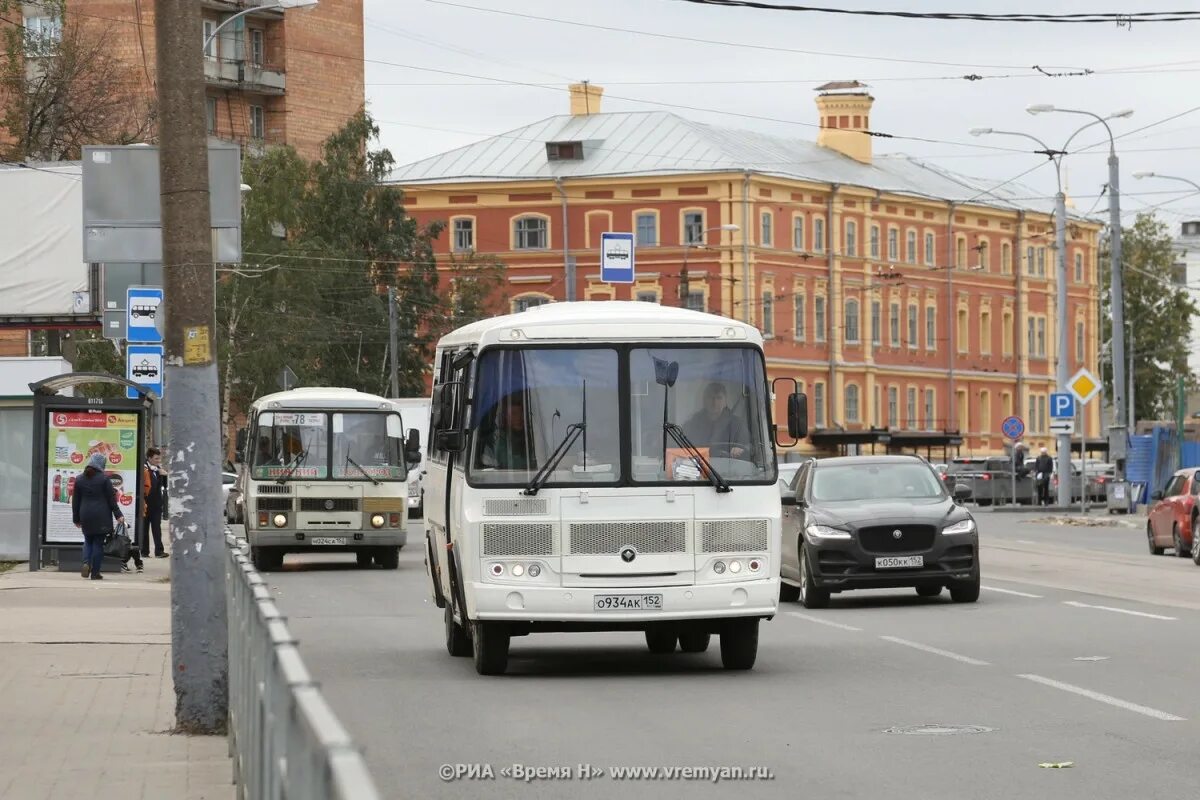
628	602
893	562
329	541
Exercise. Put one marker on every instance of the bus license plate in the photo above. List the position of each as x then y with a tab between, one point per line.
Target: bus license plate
628	602
893	562
329	541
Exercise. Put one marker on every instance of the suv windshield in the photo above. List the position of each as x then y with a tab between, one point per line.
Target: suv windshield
838	484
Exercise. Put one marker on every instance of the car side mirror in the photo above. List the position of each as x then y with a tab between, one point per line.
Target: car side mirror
1158	495
451	441
962	493
788	500
797	413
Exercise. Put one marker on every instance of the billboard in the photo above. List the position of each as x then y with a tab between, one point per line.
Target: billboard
73	437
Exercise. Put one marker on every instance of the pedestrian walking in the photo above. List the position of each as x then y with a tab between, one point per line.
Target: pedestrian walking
93	508
154	486
1044	466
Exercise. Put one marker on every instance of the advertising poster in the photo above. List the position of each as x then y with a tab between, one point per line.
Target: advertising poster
73	437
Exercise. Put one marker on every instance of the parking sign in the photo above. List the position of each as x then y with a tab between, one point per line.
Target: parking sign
1062	405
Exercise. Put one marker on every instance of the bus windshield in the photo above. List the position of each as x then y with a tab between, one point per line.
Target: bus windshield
291	445
368	445
350	445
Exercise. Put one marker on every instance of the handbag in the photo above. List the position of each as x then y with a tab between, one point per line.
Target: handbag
117	544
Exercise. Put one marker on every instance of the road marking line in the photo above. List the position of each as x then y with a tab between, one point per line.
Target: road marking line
1077	604
1012	591
1024	541
820	621
926	648
1104	698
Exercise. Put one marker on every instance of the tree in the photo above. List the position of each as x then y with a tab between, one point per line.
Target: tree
1158	318
63	88
323	241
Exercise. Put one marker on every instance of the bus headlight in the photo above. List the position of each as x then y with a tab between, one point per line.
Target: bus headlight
735	567
719	567
377	520
280	520
518	570
534	570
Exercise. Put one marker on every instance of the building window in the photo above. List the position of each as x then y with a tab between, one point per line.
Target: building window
910	408
1041	261
528	301
798	331
1032	418
929	249
1041	412
893	410
1029	261
964	331
1079	267
894	324
42	34
912	327
819	235
695	300
768	313
564	151
1006	332
874	241
851	322
1031	337
210	115
876	323
930	423
910	245
1079	341
819	319
877	407
893	244
1041	337
961	253
798	232
985	332
818	405
930	327
210	41
257	47
693	227
1006	258
851	238
985	412
464	234
530	233
646	296
258	123
852	403
985	260
647	230
767	240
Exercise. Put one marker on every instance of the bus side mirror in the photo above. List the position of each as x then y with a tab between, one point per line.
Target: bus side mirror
437	405
451	441
239	448
797	411
412	448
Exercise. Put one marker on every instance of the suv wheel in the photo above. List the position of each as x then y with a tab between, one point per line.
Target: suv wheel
1196	541
1155	550
1180	551
810	596
965	591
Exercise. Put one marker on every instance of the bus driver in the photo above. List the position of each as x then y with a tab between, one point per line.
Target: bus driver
715	426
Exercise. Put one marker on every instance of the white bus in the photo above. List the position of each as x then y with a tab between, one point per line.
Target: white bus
602	466
326	470
415	411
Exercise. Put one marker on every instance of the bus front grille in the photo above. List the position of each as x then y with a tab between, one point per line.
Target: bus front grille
267	488
604	538
329	504
514	507
273	503
518	539
734	536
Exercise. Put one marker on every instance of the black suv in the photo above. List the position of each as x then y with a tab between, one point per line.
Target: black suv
876	522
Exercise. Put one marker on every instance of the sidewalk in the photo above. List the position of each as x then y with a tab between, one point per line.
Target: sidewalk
86	699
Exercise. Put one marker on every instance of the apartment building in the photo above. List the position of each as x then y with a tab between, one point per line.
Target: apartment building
916	306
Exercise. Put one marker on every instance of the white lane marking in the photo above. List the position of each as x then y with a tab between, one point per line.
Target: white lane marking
1077	604
926	648
1091	658
820	621
1012	591
1024	541
1104	698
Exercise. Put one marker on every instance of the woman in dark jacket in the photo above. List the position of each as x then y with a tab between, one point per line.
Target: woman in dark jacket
93	506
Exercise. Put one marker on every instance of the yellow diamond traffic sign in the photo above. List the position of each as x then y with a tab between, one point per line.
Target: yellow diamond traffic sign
1084	386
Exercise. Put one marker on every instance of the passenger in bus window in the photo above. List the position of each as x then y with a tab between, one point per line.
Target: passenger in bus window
716	427
506	443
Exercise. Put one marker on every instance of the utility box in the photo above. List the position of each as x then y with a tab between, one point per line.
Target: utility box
1120	497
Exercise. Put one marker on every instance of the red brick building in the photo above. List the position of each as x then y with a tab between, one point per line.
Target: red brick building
916	306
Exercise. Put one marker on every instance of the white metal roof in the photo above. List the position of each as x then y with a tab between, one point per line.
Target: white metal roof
604	321
315	397
663	143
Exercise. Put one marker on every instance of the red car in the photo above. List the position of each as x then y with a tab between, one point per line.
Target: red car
1173	518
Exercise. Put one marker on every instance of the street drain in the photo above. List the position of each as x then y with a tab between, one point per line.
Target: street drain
938	730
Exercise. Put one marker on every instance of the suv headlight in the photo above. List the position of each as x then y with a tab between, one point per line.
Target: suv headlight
963	526
818	532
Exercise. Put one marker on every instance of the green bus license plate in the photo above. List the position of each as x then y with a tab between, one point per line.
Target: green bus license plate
628	602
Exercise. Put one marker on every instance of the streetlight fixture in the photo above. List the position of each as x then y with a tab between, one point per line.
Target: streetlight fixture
687	246
280	5
1189	181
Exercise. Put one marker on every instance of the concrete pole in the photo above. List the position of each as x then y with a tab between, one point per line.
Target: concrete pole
199	632
1132	409
1118	431
1064	440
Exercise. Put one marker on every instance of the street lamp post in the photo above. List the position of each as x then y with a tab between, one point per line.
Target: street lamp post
687	246
282	5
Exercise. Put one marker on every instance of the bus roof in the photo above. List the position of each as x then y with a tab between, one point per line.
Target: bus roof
317	397
603	320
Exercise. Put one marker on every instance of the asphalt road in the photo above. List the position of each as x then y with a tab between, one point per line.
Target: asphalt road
1082	649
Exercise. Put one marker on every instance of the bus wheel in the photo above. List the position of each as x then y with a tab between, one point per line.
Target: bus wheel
388	557
363	557
266	559
694	642
458	644
739	643
661	641
489	641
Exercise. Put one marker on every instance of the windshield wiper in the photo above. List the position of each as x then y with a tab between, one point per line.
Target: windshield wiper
574	431
350	460
676	433
300	458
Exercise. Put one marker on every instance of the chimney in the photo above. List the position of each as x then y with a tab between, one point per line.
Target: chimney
845	114
585	99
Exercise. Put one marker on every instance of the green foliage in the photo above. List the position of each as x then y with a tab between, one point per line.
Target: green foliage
1158	318
88	351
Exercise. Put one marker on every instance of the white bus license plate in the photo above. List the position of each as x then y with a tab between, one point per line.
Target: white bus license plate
893	562
628	602
329	541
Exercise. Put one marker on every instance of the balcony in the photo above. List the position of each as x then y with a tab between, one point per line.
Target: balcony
238	74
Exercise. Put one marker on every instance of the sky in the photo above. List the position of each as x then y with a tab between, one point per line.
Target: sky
444	73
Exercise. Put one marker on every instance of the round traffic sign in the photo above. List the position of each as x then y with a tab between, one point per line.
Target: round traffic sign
1013	427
